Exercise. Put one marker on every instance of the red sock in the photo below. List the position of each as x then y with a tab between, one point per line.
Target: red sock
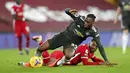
40	43
27	41
20	43
27	64
46	57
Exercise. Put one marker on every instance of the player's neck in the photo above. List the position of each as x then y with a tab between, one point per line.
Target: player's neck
18	4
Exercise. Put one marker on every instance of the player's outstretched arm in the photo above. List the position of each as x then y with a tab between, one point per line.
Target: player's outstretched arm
118	12
73	13
95	59
101	49
86	62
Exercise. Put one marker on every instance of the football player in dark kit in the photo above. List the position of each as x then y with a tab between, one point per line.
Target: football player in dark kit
124	9
78	30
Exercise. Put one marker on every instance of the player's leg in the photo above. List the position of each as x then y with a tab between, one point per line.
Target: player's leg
27	43
20	44
53	43
46	57
42	48
24	64
18	34
125	35
55	57
124	40
38	39
69	51
26	32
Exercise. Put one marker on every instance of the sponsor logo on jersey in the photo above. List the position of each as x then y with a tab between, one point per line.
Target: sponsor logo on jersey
78	33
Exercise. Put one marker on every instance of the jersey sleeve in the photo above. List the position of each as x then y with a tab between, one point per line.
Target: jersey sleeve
74	16
95	59
101	48
86	62
96	36
46	57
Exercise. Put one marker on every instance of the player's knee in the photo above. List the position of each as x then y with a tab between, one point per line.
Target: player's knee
68	57
68	53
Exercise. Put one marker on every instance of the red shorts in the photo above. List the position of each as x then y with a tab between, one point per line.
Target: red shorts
57	54
21	27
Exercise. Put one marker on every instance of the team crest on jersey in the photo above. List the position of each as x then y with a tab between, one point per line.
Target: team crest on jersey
78	26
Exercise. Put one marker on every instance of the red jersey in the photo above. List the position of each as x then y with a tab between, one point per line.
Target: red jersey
19	25
82	54
18	10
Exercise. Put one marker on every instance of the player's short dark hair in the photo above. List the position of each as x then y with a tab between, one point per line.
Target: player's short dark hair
93	40
91	16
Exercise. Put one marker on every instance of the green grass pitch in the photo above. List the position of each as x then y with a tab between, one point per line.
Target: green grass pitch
10	57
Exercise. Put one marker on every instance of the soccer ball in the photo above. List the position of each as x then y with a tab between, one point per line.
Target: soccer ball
36	61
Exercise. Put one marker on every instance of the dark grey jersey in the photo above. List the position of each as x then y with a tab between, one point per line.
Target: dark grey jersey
77	30
125	7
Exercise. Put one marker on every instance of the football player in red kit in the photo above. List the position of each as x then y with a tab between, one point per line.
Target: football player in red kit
82	54
20	26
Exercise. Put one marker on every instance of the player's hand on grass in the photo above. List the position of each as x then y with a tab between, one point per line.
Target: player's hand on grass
114	63
110	64
107	63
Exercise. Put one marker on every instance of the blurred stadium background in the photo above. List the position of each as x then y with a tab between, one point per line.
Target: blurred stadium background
47	18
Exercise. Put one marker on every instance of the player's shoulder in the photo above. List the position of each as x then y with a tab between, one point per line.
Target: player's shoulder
94	28
14	6
82	17
83	47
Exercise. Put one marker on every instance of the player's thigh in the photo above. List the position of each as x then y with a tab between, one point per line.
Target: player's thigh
58	54
26	29
57	41
69	50
128	28
17	30
125	24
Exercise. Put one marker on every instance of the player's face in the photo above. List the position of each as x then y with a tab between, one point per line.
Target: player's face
88	22
18	1
93	46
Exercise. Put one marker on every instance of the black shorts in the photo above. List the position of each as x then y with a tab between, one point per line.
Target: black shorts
126	24
59	40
